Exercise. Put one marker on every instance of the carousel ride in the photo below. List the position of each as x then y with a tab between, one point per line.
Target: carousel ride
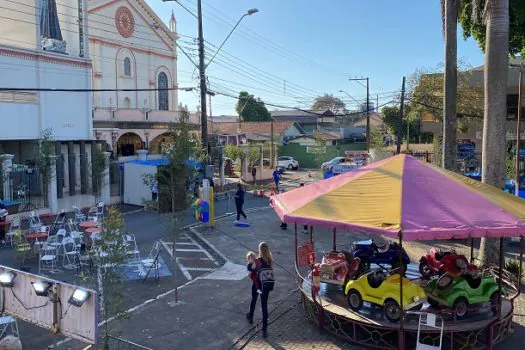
370	293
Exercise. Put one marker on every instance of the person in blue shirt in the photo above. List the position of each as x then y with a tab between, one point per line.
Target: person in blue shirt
276	178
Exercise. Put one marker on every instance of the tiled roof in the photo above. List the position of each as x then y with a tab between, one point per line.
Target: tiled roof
261	128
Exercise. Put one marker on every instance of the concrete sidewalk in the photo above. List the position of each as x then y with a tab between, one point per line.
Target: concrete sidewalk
212	308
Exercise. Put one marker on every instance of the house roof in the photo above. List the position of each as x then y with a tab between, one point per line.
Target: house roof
376	122
324	135
260	128
309	116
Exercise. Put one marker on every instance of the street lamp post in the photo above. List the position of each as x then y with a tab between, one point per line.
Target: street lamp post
367	109
202	67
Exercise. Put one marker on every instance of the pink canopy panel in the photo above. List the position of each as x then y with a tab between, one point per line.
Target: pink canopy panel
400	193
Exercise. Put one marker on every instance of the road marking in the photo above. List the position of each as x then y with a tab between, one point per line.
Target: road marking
198	268
188	250
205	251
184	270
184	243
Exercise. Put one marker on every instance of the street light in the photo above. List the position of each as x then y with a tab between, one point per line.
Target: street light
352	97
248	13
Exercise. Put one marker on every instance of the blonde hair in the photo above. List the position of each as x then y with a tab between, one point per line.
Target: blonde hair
265	253
251	254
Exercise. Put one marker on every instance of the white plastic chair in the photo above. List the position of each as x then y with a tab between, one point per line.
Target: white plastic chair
432	321
47	258
72	225
61	234
8	323
71	254
132	250
15	225
60	220
78	238
79	215
43	229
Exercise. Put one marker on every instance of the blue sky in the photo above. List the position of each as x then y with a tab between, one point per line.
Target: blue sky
293	50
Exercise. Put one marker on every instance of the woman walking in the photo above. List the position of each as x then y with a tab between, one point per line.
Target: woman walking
262	264
239	201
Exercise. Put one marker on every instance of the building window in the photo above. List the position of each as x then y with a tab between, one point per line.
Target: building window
163	94
127	103
127	67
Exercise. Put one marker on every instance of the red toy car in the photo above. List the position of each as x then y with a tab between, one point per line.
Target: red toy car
437	262
338	267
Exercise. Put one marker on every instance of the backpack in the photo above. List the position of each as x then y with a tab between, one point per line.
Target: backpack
266	276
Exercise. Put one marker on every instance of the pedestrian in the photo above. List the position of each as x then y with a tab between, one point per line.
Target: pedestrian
305	227
239	201
154	191
264	271
254	174
276	178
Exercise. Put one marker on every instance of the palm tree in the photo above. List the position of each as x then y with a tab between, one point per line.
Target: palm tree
449	12
495	107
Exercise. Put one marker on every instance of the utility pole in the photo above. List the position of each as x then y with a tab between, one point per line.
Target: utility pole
202	76
518	135
400	126
271	146
367	108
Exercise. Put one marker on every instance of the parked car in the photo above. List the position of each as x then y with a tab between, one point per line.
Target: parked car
331	163
458	292
378	252
288	162
438	261
381	289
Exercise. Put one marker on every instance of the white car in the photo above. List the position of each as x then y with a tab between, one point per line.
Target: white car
288	162
331	163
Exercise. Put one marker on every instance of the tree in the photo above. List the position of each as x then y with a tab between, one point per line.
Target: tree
319	147
470	18
329	102
450	9
252	109
495	79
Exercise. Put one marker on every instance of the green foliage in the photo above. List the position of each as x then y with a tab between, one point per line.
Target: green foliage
510	165
377	141
329	102
254	156
438	150
251	108
98	164
46	149
319	147
233	152
391	120
183	146
425	93
471	20
513	266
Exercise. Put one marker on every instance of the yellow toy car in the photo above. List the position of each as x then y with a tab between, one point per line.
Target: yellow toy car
381	289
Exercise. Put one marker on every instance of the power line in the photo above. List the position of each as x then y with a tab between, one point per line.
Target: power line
82	90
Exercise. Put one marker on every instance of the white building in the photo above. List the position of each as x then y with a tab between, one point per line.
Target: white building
132	48
43	46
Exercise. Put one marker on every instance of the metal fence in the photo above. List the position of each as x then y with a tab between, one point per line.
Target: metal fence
26	188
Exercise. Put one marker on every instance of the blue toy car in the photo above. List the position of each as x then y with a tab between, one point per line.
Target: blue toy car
378	252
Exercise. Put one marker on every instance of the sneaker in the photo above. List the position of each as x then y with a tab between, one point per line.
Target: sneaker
259	291
249	318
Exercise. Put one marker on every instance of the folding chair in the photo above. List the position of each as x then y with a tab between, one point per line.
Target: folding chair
100	211
79	215
132	250
72	225
47	258
13	228
37	244
71	254
8	326
432	321
151	262
92	214
60	221
34	221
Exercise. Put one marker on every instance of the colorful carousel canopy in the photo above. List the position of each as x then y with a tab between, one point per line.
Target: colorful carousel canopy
403	194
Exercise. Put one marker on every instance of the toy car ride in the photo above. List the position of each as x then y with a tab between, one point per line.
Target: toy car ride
438	261
378	252
381	289
458	292
337	267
